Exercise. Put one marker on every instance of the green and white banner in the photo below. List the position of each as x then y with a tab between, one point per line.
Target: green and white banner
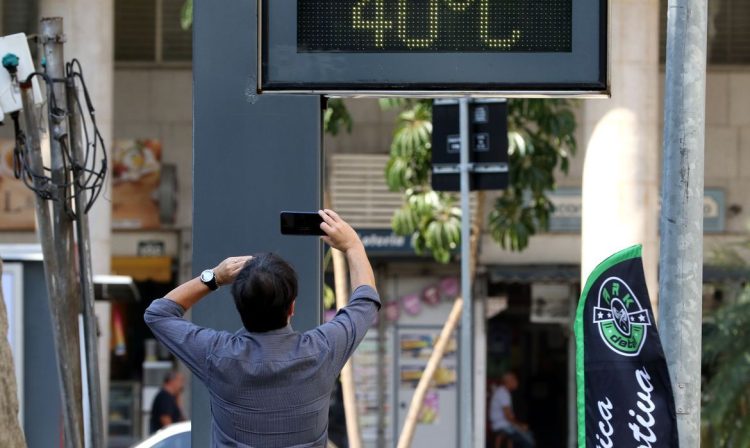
624	392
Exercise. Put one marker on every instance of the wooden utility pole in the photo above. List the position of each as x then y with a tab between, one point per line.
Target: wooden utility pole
417	401
347	375
410	424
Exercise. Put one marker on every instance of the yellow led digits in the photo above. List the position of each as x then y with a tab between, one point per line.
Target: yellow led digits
379	24
458	5
484	29
434	26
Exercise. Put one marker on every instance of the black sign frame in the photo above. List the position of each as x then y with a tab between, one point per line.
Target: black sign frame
584	72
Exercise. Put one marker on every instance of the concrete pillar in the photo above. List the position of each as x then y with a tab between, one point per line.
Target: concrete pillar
89	28
621	168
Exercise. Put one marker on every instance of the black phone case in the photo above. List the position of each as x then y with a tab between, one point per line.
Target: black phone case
301	223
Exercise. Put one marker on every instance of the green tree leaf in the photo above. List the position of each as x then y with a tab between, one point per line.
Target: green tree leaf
541	140
186	15
336	117
726	363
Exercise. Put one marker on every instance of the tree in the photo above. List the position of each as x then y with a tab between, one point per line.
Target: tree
11	435
541	140
726	362
186	15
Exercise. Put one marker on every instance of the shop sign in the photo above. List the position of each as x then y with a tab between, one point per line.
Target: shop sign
568	210
380	241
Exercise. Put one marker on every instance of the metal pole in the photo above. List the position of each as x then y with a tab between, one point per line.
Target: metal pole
681	263
466	389
65	306
85	271
65	346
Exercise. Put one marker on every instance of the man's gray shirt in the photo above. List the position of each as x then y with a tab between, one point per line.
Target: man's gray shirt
267	389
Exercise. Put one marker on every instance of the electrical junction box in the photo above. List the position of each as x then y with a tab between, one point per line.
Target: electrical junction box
10	93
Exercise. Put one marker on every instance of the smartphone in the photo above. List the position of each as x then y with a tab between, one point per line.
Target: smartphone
301	223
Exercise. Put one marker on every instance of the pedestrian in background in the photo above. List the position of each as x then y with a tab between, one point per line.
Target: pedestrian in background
505	425
165	409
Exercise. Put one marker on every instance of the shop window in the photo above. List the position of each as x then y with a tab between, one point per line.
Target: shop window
728	32
150	31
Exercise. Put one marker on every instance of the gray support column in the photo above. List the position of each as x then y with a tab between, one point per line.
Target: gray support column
621	168
681	263
253	157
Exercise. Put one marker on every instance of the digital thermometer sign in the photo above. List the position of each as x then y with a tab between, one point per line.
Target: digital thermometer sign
434	25
436	48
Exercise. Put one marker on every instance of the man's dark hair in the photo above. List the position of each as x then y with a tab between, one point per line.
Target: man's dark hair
264	291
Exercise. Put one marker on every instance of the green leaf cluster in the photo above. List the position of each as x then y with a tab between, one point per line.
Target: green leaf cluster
186	15
541	135
726	395
336	117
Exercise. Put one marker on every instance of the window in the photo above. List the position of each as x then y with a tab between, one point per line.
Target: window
728	32
18	16
150	31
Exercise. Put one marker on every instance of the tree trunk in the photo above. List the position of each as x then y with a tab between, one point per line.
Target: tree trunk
11	435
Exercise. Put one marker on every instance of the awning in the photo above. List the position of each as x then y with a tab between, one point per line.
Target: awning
726	274
535	274
115	287
157	269
572	274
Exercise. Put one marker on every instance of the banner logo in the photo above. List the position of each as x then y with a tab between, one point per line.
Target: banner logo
623	323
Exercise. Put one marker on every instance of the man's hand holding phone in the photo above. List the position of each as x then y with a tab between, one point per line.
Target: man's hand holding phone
339	234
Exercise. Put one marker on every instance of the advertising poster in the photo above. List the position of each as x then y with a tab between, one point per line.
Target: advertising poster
437	417
625	394
416	348
16	200
136	169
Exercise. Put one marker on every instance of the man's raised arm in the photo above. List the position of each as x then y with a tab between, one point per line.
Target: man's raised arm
342	236
349	326
184	339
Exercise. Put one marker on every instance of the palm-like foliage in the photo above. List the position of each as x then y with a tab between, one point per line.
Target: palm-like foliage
726	351
186	15
541	139
726	360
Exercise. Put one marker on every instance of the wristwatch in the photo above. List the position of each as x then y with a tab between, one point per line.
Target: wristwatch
209	279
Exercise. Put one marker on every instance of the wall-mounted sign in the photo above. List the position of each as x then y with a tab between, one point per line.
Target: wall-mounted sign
714	210
488	140
151	248
381	241
568	205
435	47
136	173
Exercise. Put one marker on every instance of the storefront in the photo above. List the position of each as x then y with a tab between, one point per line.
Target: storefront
529	326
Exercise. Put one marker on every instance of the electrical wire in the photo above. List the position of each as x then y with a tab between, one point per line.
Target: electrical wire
80	174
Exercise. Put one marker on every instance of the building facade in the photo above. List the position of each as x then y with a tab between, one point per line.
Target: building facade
524	300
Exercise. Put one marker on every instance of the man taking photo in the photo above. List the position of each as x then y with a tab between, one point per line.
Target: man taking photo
270	386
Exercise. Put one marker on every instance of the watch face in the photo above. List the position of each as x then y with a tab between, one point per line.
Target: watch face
207	275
